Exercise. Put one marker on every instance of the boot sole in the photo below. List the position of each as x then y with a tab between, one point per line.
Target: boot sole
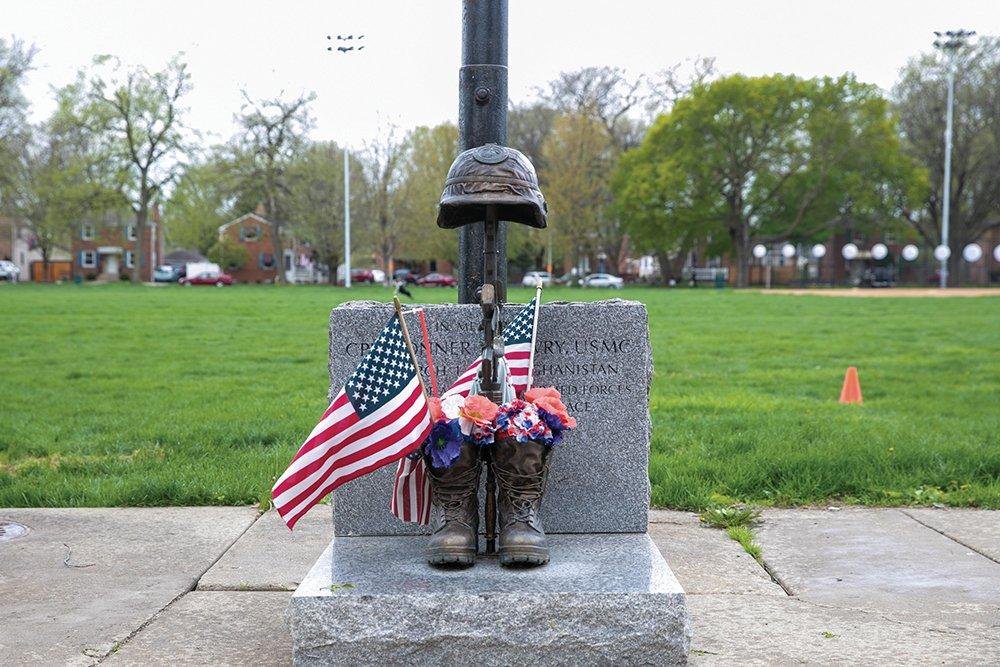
446	558
524	557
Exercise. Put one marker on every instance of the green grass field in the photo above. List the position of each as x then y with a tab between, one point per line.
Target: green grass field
122	395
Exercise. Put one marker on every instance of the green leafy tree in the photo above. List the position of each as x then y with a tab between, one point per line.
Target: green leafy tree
315	200
429	154
920	98
228	254
772	158
581	157
199	203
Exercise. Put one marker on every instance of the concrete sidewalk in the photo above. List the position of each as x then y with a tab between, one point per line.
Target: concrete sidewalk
210	586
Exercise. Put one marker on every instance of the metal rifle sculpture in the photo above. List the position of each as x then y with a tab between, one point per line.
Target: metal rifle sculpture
490	184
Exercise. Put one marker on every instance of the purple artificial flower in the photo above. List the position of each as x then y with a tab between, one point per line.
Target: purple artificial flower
555	426
445	443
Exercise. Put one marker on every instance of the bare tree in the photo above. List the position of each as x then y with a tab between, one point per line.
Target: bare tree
920	97
15	133
139	115
606	94
384	161
273	132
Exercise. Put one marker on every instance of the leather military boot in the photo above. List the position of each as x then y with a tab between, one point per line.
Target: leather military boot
455	528
521	469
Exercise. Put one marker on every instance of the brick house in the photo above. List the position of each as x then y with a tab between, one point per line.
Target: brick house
255	234
105	249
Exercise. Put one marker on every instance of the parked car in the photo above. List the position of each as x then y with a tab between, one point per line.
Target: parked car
362	276
879	276
602	280
207	278
406	275
167	274
9	271
378	276
536	278
437	280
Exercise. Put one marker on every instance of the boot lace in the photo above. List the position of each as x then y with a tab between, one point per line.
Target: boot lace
522	491
451	497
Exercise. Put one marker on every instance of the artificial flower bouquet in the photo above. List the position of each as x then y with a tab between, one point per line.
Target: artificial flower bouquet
539	415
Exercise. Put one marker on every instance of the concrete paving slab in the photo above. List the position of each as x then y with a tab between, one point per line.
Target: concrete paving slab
768	630
977	529
137	560
269	557
704	559
214	628
882	560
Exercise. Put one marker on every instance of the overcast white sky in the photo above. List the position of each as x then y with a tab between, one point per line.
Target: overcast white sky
408	72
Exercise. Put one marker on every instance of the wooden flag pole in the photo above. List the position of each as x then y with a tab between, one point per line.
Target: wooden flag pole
534	334
431	371
409	344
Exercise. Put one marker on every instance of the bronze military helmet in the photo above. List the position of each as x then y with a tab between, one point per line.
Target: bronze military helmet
491	174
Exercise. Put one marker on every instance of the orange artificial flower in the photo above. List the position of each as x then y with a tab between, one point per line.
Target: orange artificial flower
537	392
479	409
437	414
554	406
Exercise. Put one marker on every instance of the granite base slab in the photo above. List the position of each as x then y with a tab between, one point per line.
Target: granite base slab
603	598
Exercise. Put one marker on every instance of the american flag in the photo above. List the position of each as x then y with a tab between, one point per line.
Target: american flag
379	416
411	491
517	336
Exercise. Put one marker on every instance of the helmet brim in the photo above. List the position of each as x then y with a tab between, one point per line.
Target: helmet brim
459	210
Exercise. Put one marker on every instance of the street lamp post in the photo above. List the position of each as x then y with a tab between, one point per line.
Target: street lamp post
347	219
950	43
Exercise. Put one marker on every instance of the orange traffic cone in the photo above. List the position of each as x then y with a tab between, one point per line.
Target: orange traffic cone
851	392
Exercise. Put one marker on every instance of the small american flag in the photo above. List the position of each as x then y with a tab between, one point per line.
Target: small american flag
411	491
517	340
379	416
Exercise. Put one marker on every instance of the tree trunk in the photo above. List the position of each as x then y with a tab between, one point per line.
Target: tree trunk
44	248
139	253
279	250
739	232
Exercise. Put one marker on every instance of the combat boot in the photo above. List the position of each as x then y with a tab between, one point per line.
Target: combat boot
521	469
455	527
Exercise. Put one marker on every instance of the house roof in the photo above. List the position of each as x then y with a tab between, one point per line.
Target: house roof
184	256
248	216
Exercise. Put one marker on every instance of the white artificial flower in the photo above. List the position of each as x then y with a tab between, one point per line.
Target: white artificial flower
451	405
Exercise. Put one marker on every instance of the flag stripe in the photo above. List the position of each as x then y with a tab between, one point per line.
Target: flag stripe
411	443
365	461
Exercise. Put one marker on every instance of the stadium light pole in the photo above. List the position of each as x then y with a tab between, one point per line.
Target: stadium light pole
949	43
346	44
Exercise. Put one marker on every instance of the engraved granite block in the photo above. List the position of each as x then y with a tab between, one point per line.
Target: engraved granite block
597	354
603	599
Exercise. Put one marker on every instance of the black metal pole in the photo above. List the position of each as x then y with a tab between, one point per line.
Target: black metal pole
482	119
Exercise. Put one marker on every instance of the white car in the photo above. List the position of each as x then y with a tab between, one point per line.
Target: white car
536	278
602	280
9	271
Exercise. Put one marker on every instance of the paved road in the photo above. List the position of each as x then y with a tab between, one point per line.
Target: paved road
210	586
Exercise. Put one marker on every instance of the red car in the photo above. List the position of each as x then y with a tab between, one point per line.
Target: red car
437	280
217	279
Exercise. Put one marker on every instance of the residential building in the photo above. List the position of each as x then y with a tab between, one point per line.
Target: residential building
106	248
255	234
18	245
